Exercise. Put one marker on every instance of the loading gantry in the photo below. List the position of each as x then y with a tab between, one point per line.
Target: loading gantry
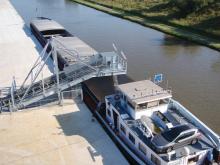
34	88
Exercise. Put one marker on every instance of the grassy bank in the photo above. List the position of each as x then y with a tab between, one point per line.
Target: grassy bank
210	38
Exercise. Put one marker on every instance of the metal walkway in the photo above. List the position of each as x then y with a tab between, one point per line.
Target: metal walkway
101	64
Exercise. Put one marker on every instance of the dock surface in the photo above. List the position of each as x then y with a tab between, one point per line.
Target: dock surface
18	47
56	135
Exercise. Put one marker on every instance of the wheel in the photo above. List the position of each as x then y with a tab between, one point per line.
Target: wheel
169	149
194	141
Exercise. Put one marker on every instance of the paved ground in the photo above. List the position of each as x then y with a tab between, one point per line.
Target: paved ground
48	135
56	135
18	48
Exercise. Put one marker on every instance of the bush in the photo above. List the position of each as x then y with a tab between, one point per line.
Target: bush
188	6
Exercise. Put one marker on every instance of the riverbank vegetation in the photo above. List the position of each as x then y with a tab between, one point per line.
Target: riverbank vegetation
203	15
196	20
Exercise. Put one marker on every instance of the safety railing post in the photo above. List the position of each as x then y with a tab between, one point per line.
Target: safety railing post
42	79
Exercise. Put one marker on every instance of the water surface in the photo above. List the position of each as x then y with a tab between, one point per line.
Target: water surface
193	71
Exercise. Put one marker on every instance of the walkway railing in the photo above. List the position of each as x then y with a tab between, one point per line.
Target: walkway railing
212	136
103	64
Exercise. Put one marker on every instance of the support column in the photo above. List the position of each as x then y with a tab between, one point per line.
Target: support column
115	80
12	100
42	79
13	88
56	69
62	98
10	107
81	94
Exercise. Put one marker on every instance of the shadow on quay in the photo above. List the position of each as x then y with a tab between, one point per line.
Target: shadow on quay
80	127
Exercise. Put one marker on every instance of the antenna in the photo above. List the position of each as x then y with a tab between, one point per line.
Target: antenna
37	14
36	11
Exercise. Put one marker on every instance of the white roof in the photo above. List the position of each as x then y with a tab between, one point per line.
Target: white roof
143	91
46	24
73	44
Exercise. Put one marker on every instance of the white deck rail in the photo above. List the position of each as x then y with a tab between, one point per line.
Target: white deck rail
211	135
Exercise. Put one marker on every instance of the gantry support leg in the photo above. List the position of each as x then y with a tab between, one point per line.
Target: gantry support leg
56	69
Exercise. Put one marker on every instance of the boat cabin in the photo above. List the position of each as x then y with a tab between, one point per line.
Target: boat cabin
144	98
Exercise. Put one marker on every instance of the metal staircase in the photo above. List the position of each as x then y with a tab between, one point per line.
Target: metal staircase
31	90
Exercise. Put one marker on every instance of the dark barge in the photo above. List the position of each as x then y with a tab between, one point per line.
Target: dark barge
45	28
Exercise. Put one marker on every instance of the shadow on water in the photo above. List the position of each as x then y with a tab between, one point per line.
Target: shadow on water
173	46
216	66
169	40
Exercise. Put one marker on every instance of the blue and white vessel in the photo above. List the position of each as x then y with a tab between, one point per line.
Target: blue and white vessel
157	130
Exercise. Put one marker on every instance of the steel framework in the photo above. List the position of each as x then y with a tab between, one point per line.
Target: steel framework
33	89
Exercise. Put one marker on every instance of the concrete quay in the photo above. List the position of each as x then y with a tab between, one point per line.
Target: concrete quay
18	47
56	135
51	134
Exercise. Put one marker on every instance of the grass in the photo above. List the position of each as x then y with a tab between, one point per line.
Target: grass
201	26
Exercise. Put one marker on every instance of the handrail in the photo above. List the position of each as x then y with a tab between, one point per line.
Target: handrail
89	68
70	53
204	128
35	64
78	75
153	94
34	79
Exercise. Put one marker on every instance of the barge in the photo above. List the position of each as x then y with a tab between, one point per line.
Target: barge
141	117
74	62
141	113
45	29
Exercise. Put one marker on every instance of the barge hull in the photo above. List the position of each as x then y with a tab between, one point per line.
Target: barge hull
97	107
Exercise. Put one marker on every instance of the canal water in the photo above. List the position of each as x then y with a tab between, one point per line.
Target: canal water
193	71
